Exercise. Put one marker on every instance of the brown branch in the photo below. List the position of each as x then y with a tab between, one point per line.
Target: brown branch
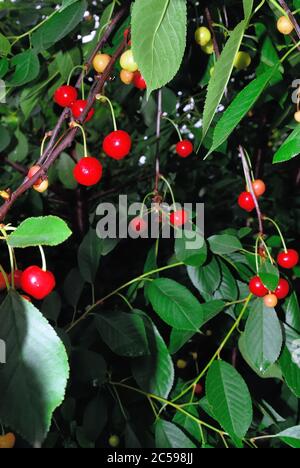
291	16
54	150
250	187
213	34
18	167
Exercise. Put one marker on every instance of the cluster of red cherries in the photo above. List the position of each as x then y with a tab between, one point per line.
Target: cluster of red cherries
34	281
287	259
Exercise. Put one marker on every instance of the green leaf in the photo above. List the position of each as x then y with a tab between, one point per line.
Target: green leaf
154	373
248	7
5	46
27	68
291	370
51	307
167	435
4	138
123	333
73	287
290	148
67	3
189	425
191	248
3	70
179	338
21	150
65	168
263	336
224	244
273	372
228	288
34	379
292	312
89	255
95	418
46	230
58	26
88	367
239	108
269	274
291	436
229	398
206	278
221	75
158	39
175	304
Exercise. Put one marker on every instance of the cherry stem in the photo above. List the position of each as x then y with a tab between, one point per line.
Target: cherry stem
44	263
279	8
77	125
175	126
43	143
151	194
251	190
256	253
267	250
102	98
5	277
11	258
279	232
250	165
170	189
81	67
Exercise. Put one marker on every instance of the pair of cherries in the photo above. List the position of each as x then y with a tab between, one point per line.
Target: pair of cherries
178	218
246	200
67	96
257	288
117	145
34	281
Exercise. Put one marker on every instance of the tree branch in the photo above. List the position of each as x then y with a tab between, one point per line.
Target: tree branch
291	16
54	149
213	34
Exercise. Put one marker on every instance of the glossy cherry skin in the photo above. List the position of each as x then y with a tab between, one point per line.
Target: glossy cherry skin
184	148
257	287
32	171
7	441
259	187
65	96
88	171
179	218
270	300
283	289
37	283
117	144
139	82
288	259
246	202
78	107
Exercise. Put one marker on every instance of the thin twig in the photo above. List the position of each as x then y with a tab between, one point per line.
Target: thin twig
213	34
158	129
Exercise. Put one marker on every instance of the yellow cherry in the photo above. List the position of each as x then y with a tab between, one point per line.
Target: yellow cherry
100	62
127	61
202	36
284	25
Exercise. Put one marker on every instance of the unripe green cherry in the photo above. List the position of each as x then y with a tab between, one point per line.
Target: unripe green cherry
208	48
242	60
114	441
127	61
202	36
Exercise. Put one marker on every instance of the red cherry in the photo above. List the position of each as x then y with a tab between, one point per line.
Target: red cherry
198	390
26	298
184	148
17	278
257	287
65	96
37	282
78	107
246	201
138	225
288	259
283	289
88	171
139	82
117	145
179	218
259	187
